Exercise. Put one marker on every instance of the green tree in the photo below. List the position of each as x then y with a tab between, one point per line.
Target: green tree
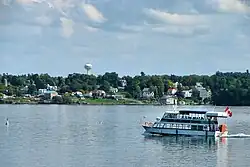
105	86
67	99
32	89
1	95
60	100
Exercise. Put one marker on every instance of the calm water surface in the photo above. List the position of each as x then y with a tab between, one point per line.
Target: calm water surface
100	136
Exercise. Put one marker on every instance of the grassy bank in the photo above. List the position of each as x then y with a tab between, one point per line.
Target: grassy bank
89	101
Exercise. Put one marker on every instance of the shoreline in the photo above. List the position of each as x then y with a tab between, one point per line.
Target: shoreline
96	102
108	104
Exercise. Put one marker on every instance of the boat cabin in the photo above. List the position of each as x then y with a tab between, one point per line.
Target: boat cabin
194	118
185	114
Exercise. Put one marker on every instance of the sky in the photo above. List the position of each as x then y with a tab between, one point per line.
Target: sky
180	37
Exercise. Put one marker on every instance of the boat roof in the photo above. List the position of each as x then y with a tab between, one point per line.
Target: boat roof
199	111
187	111
172	112
216	114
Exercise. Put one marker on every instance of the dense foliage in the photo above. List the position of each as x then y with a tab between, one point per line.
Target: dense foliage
227	88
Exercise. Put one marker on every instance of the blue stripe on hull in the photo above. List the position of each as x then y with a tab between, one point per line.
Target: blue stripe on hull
173	131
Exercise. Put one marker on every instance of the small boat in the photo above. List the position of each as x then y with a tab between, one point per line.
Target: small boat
189	122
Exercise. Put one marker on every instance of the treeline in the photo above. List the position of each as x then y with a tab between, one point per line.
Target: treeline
227	88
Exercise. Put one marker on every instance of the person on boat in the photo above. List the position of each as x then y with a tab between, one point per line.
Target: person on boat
223	128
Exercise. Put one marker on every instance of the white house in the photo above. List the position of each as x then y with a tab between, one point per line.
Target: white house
123	82
147	94
98	93
203	93
168	100
113	90
187	93
52	88
50	94
176	84
41	91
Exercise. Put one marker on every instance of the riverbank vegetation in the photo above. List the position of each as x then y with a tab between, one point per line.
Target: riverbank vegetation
231	88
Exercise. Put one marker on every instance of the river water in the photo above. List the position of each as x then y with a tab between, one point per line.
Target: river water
110	136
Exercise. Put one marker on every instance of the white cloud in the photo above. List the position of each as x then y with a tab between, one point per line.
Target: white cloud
233	6
182	25
176	19
24	1
182	31
91	29
62	6
93	13
67	27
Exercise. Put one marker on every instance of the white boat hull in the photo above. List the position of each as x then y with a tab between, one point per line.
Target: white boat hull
172	131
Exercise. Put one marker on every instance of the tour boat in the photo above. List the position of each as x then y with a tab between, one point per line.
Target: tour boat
189	122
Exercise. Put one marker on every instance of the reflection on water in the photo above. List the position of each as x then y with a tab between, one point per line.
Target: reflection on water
182	141
222	152
218	145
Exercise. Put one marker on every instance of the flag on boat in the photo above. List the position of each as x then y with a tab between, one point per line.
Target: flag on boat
228	111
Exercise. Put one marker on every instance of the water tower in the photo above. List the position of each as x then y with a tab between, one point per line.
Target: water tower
88	67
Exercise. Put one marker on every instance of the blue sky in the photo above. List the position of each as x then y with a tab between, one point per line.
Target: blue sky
127	36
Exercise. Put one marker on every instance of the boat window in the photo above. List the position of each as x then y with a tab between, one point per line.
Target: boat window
168	126
165	126
200	127
177	125
194	127
185	126
155	125
196	121
205	127
170	115
173	125
161	125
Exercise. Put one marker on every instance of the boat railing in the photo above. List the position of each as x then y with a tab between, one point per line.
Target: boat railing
185	117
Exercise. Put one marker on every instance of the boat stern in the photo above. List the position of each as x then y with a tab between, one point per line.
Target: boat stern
223	131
